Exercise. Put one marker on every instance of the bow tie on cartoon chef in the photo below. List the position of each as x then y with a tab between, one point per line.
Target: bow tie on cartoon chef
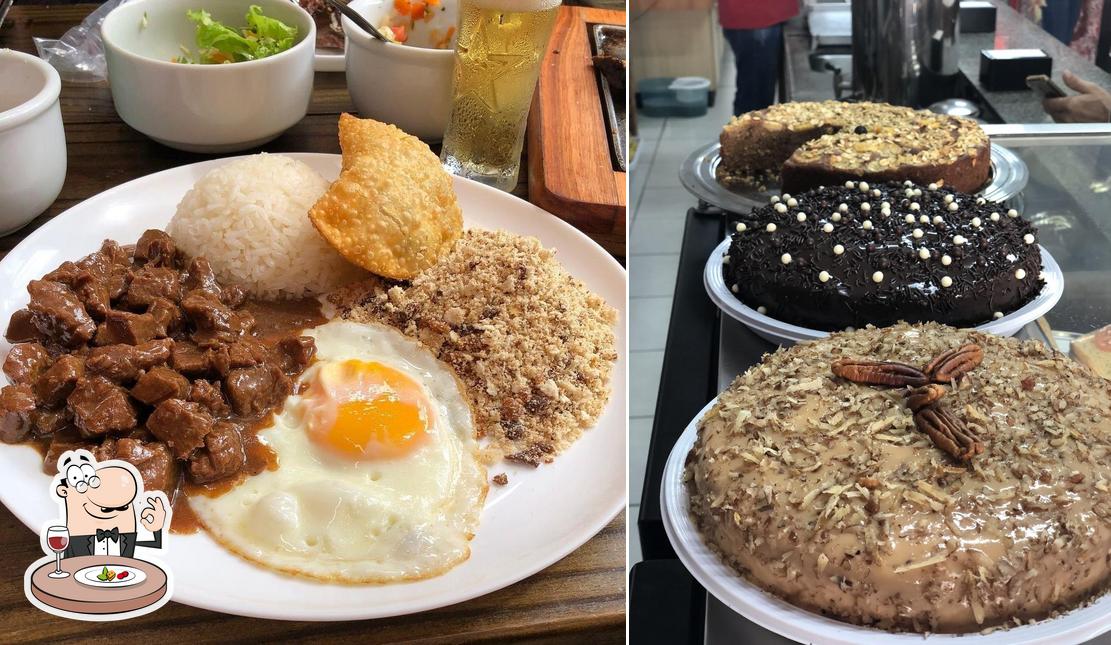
100	507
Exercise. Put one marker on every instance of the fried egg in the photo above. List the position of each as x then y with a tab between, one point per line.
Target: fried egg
378	478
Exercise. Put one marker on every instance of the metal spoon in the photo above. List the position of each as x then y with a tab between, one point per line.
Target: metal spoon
354	17
4	6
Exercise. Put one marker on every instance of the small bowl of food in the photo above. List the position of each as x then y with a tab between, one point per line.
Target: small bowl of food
32	141
407	81
210	75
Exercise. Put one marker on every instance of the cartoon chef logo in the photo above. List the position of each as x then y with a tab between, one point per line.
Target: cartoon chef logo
92	571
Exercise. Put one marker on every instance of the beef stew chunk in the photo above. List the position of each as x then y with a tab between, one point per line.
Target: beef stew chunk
222	455
58	381
17	404
139	353
99	407
181	425
159	384
25	362
58	313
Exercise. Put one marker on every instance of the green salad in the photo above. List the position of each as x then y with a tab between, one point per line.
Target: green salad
218	44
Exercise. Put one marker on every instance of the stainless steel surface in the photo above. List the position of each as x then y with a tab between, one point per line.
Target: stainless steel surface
698	174
900	46
616	116
956	107
1049	134
830	24
4	6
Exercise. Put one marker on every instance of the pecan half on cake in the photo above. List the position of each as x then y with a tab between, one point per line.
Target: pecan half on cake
859	254
829	477
822	143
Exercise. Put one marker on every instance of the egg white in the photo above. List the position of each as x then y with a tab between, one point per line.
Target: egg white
323	516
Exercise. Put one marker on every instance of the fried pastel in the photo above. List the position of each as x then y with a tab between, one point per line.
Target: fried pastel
393	209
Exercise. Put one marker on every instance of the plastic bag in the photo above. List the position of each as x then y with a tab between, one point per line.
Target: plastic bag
79	54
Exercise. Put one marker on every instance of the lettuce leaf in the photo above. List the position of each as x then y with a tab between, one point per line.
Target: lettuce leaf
218	43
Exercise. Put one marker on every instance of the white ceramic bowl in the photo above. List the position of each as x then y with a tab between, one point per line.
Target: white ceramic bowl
32	142
205	108
405	85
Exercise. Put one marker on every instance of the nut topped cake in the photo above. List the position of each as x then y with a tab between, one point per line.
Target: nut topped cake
861	254
809	144
912	478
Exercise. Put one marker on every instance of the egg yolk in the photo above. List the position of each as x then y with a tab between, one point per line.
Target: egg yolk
365	410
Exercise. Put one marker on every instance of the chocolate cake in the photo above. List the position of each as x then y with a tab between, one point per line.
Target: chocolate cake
860	254
837	495
824	143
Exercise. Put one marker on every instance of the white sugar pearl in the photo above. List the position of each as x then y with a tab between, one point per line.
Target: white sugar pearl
946	281
733	288
824	276
741	228
725	259
909	193
914	206
958	240
876	192
849	184
864	186
850	328
917	233
980	201
909	219
838	249
781	208
792	202
917	192
953	207
877	276
937	219
932	186
785	258
1020	274
761	309
997	315
867	224
836	217
866	207
844	208
1012	213
828	228
770	227
885	205
786	196
946	260
801	216
924	254
925	219
1011	257
994	216
775	199
976	222
948	199
1028	238
907	182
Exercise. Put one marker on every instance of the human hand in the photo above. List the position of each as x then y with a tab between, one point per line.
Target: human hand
153	517
1091	105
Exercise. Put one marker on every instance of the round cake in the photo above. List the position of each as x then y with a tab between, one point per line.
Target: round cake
835	494
808	144
859	254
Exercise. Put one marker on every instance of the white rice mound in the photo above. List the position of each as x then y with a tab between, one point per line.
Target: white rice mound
250	219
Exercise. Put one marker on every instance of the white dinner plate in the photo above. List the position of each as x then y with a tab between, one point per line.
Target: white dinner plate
781	617
88	576
539	517
782	333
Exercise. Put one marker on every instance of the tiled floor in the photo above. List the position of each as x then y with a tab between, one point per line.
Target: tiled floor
659	207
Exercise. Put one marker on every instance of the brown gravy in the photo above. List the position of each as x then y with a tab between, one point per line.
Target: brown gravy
272	321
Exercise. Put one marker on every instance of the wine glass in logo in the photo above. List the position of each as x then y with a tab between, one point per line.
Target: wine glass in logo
57	538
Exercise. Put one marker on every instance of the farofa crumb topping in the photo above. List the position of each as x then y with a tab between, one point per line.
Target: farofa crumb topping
532	344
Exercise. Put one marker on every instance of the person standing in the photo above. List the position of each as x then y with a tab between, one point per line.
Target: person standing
754	30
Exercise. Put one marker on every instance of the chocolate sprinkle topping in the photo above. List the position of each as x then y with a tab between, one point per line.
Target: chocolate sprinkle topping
982	274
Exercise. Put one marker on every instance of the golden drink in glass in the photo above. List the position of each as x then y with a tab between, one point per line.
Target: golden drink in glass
497	61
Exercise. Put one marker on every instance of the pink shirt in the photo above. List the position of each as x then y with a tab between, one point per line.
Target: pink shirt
755	14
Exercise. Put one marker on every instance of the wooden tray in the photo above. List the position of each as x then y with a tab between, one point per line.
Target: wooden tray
571	173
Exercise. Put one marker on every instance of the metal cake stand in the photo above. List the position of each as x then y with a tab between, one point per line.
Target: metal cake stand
698	174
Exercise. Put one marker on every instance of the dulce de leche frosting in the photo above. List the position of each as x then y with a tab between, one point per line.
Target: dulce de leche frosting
824	492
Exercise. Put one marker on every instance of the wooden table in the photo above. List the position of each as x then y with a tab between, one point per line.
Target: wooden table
580	598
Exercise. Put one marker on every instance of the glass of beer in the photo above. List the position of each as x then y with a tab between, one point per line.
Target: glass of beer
497	61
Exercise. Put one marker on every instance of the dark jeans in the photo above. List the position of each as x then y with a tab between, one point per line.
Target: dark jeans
756	52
